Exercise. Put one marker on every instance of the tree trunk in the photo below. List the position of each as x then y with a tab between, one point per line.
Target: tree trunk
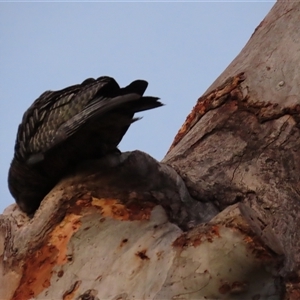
128	227
240	144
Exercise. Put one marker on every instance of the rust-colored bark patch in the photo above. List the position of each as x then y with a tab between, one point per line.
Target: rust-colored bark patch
209	236
205	234
60	273
142	255
215	230
124	241
39	265
69	294
124	212
207	102
257	248
62	234
37	271
182	241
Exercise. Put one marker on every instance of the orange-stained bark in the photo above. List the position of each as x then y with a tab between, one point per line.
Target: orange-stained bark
214	99
226	227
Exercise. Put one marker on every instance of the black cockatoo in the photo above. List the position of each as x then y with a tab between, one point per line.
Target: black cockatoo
62	128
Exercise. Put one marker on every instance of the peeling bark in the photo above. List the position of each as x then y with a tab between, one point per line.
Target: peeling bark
126	227
103	248
217	219
240	143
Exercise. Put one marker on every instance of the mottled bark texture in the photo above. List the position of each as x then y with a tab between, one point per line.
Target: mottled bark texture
128	227
106	235
241	143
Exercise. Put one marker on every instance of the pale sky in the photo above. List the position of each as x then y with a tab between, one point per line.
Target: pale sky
180	48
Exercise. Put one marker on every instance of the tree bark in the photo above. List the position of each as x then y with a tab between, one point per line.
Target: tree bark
217	219
240	144
125	227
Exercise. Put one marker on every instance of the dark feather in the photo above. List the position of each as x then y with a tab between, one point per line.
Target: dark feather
62	128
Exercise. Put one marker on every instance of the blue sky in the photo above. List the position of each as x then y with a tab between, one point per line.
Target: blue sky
180	48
